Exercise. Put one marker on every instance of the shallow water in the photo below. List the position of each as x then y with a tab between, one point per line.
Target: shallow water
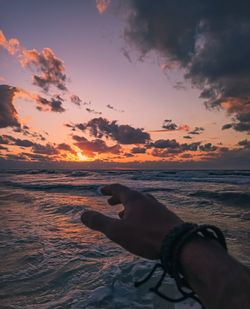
49	260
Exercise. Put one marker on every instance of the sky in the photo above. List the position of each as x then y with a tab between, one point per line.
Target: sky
120	84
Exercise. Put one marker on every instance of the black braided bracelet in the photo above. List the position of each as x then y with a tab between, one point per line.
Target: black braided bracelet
171	250
205	231
169	243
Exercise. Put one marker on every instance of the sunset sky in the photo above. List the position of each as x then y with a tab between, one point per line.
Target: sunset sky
125	82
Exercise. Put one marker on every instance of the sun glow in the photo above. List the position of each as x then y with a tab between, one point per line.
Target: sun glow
82	157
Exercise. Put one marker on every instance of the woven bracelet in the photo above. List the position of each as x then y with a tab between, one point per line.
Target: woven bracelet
205	231
170	258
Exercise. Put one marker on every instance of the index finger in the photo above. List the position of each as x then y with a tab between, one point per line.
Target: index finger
119	192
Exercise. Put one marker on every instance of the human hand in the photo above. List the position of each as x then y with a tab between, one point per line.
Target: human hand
143	223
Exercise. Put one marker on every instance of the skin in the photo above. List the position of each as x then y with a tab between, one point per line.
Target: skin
218	279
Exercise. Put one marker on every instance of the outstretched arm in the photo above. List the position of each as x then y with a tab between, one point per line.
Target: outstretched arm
218	279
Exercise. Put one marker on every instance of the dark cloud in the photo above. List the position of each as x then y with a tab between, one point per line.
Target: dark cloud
18	157
95	146
50	69
92	111
169	125
76	100
245	143
190	147
8	113
227	126
23	143
36	157
209	39
47	149
7	139
165	143
10	140
196	131
241	122
27	131
187	137
167	147
138	150
123	134
114	109
54	105
65	147
207	147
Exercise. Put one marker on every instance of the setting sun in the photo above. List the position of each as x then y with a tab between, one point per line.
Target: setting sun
82	157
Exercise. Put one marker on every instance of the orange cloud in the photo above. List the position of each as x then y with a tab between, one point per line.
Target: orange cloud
12	45
50	69
102	5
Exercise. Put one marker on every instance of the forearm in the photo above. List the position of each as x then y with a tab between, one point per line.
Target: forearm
219	280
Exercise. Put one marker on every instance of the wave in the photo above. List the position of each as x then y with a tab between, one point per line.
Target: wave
230	173
32	171
234	198
52	187
146	190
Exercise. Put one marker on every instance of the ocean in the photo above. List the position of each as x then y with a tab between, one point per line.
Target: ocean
48	259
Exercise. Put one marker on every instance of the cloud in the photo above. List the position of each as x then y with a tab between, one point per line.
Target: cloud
36	157
114	109
23	142
6	139
138	150
227	126
95	146
196	131
27	131
162	143
169	125
209	40
47	149
66	147
241	123
166	148
245	143
10	140
123	134
207	147
8	113
180	86
53	105
92	111
102	5
12	45
50	70
3	148
76	100
187	137
126	54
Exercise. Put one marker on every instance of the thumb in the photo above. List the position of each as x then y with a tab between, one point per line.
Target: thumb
99	222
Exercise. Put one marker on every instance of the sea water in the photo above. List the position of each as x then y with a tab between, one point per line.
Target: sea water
48	259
